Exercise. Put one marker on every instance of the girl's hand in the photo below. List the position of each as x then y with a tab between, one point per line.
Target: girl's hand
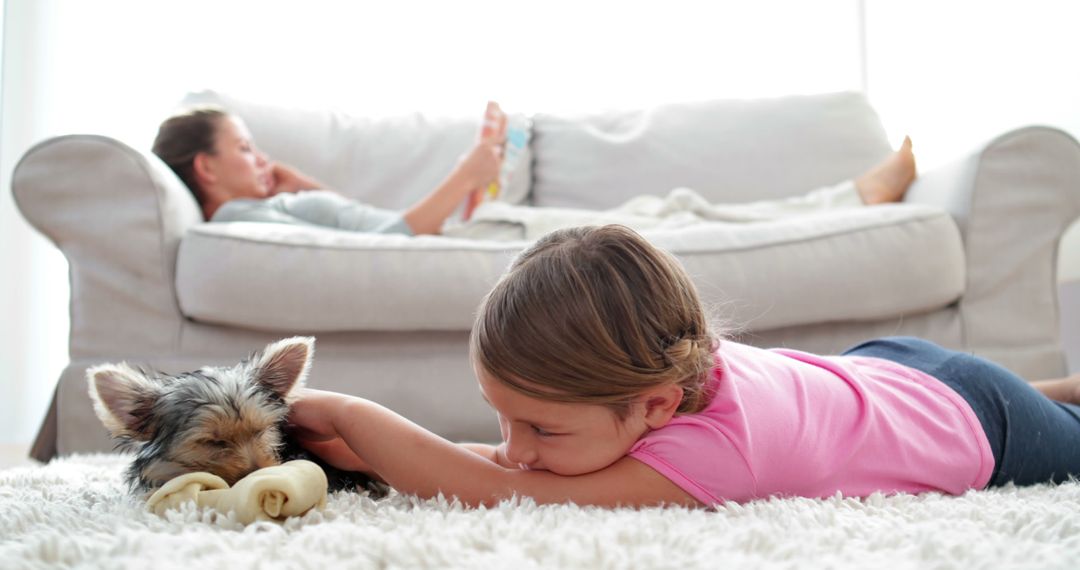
311	421
337	453
311	415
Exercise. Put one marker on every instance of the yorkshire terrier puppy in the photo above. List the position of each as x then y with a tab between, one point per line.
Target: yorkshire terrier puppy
228	421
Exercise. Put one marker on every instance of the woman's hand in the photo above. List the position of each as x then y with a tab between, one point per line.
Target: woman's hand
480	166
476	169
288	179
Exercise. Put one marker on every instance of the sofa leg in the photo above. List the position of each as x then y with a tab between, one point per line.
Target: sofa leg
44	448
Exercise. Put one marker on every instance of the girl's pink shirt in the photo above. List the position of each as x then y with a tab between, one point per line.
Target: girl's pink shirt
788	423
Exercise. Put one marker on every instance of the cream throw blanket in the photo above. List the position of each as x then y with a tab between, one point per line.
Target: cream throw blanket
680	208
271	493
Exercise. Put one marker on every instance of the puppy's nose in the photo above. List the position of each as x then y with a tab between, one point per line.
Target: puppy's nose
259	458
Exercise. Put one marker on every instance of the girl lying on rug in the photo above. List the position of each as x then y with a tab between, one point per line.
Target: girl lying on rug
611	389
213	152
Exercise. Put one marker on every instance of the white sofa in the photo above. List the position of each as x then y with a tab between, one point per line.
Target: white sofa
968	260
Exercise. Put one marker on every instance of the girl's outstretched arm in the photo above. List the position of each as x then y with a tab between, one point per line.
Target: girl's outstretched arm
416	461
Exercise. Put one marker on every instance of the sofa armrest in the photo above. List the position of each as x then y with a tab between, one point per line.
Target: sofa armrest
118	215
1012	198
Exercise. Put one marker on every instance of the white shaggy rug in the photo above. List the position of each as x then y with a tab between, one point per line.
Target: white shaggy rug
74	513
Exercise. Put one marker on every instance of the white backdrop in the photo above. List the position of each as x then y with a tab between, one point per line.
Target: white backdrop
948	75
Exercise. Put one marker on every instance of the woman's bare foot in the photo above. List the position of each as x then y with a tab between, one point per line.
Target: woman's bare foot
888	181
1062	389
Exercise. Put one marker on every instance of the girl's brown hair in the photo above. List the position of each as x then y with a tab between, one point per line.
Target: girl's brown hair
183	136
596	315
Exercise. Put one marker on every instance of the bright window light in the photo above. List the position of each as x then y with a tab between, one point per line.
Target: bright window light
119	65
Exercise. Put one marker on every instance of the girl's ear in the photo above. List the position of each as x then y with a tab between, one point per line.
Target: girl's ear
661	404
283	366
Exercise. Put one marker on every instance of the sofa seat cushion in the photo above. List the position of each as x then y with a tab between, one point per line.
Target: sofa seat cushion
856	264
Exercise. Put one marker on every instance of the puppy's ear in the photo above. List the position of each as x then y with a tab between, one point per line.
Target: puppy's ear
123	399
283	366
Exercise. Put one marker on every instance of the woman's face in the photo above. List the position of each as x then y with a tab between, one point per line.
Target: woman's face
240	170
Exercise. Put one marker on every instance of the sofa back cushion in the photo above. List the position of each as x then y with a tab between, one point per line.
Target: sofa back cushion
728	151
388	162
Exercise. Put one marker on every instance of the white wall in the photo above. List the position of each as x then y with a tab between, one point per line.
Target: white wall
954	74
33	290
949	73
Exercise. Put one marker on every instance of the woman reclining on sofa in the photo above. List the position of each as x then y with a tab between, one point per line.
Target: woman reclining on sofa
212	151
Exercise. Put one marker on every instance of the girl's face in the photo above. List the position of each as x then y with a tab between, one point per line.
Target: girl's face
564	438
240	169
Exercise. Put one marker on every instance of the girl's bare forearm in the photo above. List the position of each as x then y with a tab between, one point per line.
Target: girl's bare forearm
414	460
